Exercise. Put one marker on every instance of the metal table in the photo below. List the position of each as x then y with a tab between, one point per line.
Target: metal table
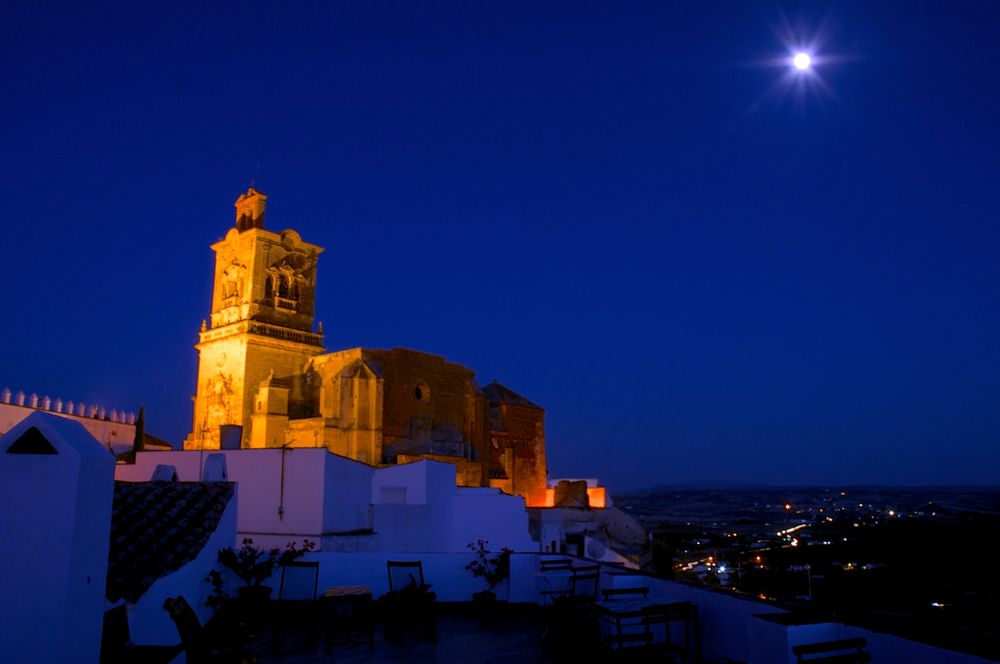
659	623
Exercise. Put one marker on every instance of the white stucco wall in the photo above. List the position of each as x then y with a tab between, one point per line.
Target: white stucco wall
324	494
439	516
283	496
55	524
347	488
411	476
491	515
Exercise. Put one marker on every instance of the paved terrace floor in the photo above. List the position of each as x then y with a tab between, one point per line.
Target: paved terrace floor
511	634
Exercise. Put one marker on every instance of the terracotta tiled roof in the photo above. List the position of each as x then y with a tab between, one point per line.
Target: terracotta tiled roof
149	444
157	528
498	394
153	443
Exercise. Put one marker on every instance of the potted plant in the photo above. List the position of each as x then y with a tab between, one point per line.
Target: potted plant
254	565
411	604
491	567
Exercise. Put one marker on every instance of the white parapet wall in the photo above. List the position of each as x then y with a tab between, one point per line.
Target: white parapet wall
736	627
116	435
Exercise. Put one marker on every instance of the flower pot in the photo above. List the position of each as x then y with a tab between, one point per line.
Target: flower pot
254	594
485	597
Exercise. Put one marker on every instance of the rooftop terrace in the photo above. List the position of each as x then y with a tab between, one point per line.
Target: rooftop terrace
513	634
730	628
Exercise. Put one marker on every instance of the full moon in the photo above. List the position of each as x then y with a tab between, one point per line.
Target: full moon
802	61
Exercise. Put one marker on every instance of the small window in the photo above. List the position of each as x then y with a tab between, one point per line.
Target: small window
422	393
393	495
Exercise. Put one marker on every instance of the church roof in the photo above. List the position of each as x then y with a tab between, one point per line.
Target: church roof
149	444
157	528
498	394
373	367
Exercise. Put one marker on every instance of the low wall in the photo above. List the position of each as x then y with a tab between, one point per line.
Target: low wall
731	625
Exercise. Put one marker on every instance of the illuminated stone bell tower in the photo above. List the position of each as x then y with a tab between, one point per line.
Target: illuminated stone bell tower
263	304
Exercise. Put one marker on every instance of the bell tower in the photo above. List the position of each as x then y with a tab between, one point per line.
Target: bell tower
261	324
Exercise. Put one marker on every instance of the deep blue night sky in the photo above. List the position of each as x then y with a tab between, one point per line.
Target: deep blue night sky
701	272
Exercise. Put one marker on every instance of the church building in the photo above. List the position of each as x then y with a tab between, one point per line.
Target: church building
265	379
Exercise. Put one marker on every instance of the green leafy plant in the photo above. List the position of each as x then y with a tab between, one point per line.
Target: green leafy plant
493	568
411	594
218	596
254	565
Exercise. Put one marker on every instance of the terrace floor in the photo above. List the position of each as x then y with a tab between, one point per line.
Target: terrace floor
511	634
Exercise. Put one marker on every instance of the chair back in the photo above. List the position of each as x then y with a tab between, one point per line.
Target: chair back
586	582
550	564
662	616
299	580
188	628
403	573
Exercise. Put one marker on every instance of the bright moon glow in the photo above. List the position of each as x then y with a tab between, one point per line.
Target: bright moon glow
802	61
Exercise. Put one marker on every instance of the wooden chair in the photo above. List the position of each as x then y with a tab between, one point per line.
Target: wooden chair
586	583
189	629
647	633
664	616
555	574
299	580
570	618
297	604
551	564
578	587
842	651
405	573
198	648
411	598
